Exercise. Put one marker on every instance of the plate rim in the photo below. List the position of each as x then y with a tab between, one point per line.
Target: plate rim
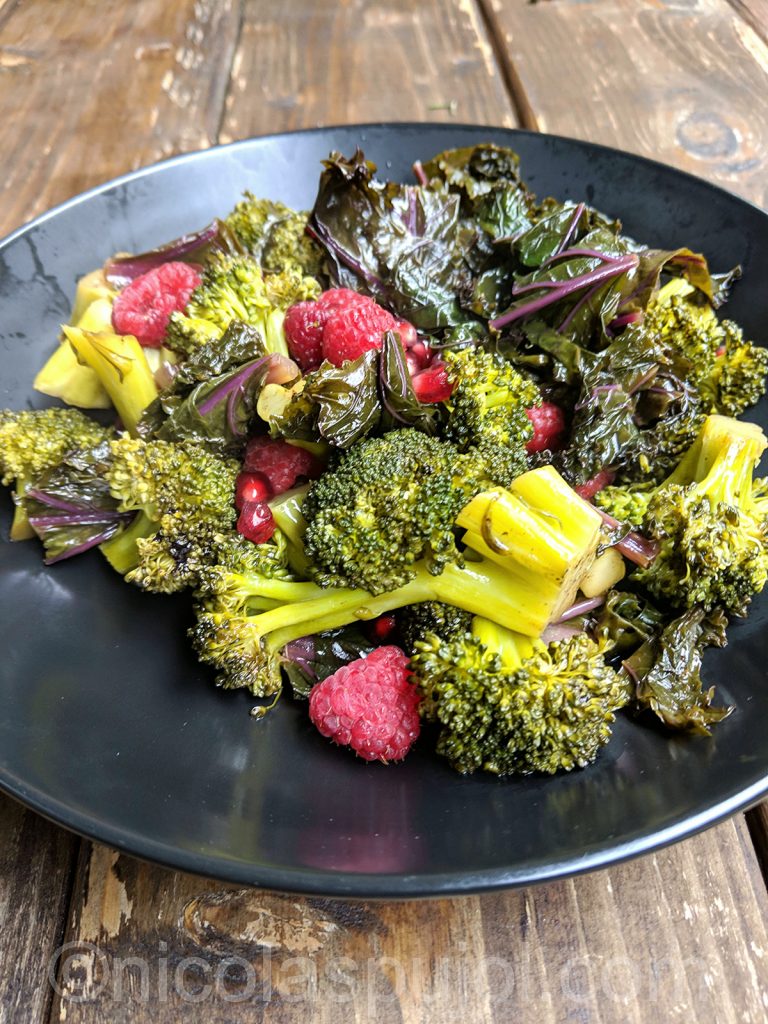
343	883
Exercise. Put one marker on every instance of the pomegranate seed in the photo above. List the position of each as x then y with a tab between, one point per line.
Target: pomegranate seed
251	487
256	522
407	333
383	627
432	384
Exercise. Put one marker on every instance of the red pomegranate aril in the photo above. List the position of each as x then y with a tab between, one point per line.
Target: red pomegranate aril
256	522
383	627
432	384
407	333
421	354
251	487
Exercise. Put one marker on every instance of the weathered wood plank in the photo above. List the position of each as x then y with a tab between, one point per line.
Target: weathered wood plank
682	81
679	935
93	89
341	61
756	13
36	863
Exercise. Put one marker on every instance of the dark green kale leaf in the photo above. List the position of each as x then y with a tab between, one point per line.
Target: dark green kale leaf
666	671
311	659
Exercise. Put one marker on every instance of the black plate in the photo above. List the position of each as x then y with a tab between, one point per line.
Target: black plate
111	728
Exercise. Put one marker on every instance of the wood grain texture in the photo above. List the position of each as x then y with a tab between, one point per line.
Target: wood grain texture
92	89
679	935
36	860
334	61
682	81
755	12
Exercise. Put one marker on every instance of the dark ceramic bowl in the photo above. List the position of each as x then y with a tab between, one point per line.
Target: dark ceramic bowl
111	728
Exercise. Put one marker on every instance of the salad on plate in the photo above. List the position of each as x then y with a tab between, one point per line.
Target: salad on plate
441	454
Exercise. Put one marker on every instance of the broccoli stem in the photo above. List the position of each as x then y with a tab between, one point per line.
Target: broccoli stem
120	364
20	525
121	551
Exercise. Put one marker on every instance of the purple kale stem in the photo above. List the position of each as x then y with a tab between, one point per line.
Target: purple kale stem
322	235
633	545
571	229
73	519
237	382
419	173
49	499
130	267
583	301
92	542
625	320
588	604
592	254
534	286
598	276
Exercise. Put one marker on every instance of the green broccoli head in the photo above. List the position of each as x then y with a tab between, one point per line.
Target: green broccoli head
709	520
417	620
32	441
235	647
554	712
387	502
487	410
628	503
728	371
235	288
275	235
185	496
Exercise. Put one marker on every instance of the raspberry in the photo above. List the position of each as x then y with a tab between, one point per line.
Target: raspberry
548	427
343	298
369	705
281	463
143	308
256	522
303	328
351	331
432	384
589	488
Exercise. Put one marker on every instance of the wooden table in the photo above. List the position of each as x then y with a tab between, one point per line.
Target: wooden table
93	88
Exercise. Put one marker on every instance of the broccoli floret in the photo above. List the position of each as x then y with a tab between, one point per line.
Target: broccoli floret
709	520
728	371
553	711
487	410
387	502
34	441
627	503
275	235
184	495
236	288
417	620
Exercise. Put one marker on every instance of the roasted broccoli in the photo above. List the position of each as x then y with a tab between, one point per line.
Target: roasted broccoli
487	410
709	518
184	497
33	441
275	235
387	502
728	371
236	288
416	620
525	710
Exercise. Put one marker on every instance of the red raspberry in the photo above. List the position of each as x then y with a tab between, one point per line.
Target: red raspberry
256	522
143	308
589	488
548	427
352	331
343	298
432	384
281	463
303	328
370	705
